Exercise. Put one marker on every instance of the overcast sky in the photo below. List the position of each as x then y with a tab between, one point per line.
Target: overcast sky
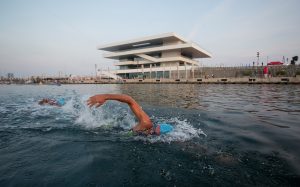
40	37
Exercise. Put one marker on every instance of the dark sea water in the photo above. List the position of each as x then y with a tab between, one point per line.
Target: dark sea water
224	135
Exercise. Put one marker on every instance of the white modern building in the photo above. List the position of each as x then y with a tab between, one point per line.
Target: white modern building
159	56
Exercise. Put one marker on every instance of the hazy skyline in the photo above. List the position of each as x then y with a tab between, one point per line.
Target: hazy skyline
47	37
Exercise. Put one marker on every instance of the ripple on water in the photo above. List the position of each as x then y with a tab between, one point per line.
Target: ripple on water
246	143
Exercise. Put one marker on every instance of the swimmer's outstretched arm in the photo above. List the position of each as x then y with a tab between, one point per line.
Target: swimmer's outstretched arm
144	120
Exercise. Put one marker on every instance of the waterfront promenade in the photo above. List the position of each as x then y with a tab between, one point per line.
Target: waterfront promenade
201	75
243	80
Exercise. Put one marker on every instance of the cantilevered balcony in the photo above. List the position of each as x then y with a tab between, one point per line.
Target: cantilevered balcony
157	60
191	47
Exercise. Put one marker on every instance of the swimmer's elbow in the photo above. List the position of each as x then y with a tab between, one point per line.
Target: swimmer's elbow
128	97
129	100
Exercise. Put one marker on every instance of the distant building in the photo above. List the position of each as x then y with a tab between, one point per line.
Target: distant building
276	63
10	75
154	56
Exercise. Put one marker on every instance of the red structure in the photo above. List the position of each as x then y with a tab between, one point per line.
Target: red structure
275	63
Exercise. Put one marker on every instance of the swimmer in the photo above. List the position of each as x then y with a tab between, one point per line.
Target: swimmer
144	126
60	102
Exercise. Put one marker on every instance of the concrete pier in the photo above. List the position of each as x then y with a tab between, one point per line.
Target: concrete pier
244	80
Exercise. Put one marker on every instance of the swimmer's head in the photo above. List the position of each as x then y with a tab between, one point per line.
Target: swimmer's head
162	129
61	101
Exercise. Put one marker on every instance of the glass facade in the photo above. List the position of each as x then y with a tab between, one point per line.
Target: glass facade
146	75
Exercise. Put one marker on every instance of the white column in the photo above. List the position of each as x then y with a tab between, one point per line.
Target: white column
178	70
185	70
150	70
155	71
163	71
193	70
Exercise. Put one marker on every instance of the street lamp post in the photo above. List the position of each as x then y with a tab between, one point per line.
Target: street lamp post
257	58
257	63
95	71
100	73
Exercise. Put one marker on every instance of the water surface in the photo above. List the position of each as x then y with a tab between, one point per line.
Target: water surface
224	135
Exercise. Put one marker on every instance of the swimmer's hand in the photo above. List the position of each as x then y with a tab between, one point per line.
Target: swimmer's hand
96	100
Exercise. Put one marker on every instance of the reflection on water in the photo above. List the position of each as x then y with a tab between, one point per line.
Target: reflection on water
224	135
219	97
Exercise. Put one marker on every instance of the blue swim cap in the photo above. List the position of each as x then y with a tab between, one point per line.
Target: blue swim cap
61	101
165	128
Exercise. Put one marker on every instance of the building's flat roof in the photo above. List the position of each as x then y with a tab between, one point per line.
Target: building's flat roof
156	39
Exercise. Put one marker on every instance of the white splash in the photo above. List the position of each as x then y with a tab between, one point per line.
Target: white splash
183	131
109	115
118	115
